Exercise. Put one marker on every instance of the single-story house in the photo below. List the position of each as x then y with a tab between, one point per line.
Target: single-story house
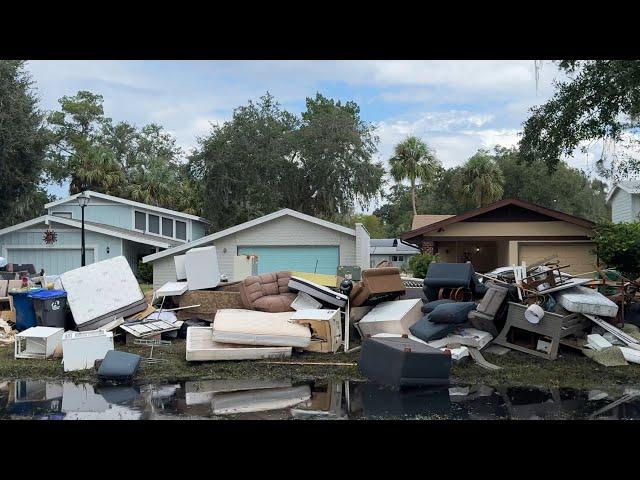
625	201
282	240
393	250
507	232
113	226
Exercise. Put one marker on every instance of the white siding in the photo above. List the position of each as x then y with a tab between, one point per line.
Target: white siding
285	230
164	270
621	207
363	246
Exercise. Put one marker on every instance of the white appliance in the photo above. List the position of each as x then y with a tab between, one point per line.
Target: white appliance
37	342
80	350
181	272
244	266
391	317
202	268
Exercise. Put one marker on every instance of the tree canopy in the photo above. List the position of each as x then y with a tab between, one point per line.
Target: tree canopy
23	141
599	101
266	158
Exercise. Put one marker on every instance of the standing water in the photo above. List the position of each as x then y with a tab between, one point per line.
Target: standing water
328	399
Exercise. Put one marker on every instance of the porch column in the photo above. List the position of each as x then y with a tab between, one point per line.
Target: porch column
513	253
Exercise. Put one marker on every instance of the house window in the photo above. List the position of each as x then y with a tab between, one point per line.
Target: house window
394	258
154	224
63	214
401	258
141	221
181	230
167	227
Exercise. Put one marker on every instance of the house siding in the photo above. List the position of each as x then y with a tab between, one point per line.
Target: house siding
68	240
282	231
107	213
622	207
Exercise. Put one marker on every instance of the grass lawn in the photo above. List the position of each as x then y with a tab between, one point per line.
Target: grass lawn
519	369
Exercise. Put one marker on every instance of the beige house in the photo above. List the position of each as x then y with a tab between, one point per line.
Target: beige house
506	232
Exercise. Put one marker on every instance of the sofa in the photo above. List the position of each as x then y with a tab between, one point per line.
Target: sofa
378	284
451	276
268	292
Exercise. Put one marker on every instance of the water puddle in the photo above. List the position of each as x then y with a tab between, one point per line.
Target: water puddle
281	400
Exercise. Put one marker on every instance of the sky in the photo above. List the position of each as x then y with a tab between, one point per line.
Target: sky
457	106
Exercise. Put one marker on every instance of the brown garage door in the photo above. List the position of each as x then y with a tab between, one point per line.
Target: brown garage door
577	255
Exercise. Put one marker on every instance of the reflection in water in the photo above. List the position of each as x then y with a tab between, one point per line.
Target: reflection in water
322	399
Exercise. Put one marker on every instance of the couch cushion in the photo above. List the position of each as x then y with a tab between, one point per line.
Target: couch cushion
275	303
455	313
428	331
430	306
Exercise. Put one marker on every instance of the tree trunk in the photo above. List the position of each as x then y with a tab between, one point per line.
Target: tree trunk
413	197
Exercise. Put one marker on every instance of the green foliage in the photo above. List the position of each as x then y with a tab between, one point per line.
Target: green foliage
601	100
145	272
480	181
618	246
265	158
23	141
141	164
373	224
419	264
413	160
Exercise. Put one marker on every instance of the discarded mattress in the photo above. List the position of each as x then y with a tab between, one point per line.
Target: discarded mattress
250	327
99	293
259	400
319	292
428	331
456	312
391	317
400	362
586	300
201	348
430	306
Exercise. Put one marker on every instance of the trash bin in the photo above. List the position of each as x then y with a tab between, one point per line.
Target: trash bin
25	314
50	307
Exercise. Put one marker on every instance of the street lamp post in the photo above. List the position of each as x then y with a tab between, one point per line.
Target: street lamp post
83	201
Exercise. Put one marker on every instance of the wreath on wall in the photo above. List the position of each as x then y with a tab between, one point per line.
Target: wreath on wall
49	237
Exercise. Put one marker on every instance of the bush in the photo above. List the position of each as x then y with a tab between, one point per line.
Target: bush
145	272
618	246
419	264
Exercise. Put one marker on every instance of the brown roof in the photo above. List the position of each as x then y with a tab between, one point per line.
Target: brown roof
415	232
424	220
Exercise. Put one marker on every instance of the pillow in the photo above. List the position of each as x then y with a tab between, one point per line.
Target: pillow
428	331
451	312
430	306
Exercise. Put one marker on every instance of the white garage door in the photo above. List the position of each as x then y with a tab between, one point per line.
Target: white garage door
578	255
54	261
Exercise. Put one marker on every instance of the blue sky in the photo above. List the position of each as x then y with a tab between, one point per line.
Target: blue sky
455	106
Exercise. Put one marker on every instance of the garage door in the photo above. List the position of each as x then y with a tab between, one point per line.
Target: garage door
577	255
301	259
54	261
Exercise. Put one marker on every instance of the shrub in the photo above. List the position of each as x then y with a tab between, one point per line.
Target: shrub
618	246
419	264
145	272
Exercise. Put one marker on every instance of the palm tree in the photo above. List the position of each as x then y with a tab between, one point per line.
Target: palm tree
480	181
413	160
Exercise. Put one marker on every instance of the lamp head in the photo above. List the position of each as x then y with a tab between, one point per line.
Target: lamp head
83	199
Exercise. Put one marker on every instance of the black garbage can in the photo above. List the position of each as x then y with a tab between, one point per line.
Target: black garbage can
50	307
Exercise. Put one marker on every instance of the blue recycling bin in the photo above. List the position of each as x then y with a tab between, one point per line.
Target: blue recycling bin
25	314
50	307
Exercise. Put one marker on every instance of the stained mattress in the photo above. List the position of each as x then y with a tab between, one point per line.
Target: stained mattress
201	348
250	327
319	292
586	300
99	293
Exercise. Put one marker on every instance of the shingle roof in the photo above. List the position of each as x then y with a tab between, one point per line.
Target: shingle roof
424	220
